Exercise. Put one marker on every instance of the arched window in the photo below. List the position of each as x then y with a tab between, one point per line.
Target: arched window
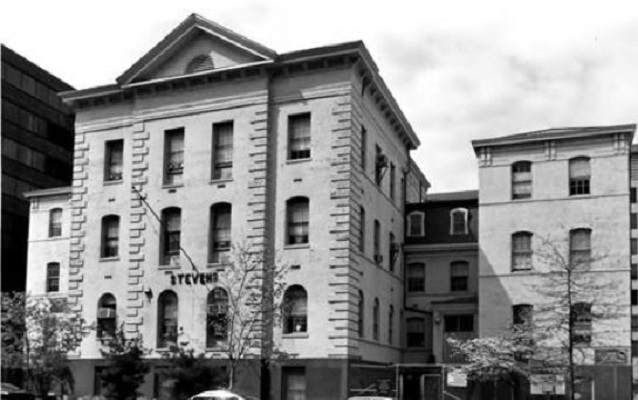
415	332
522	251
171	235
106	316
110	236
55	222
391	324
361	310
581	318
201	62
167	324
521	180
416	277
53	277
579	176
459	274
375	320
298	220
220	223
295	310
522	314
458	221
416	224
216	317
579	247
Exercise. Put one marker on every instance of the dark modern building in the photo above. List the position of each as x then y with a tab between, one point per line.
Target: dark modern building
37	152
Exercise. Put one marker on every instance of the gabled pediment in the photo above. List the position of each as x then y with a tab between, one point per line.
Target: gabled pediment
196	45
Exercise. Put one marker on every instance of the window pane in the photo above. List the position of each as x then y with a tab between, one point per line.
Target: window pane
222	150
299	136
115	156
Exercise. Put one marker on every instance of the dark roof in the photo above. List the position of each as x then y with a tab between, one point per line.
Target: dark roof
452	196
33	69
554	133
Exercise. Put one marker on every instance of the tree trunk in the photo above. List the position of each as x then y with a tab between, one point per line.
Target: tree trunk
231	375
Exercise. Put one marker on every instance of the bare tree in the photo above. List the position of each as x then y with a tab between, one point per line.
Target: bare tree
247	314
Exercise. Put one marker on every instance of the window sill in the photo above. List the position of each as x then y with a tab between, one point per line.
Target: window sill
297	246
168	267
221	180
172	185
109	259
113	182
514	270
295	335
298	160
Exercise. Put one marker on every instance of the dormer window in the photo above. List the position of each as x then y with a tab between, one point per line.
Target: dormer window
416	224
199	63
458	221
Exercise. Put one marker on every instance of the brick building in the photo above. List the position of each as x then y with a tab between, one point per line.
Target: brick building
303	154
37	153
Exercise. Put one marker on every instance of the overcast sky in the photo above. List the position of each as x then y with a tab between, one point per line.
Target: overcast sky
460	70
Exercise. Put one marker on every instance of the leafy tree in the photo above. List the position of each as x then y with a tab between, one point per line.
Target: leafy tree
126	366
189	373
37	335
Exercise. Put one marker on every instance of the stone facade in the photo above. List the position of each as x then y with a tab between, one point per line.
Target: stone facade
258	90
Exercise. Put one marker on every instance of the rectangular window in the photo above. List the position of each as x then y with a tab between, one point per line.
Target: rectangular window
114	160
55	222
634	221
521	251
459	323
171	236
459	272
299	136
634	348
294	383
378	258
582	320
393	251
579	176
393	178
110	236
53	277
634	246
416	277
364	145
415	332
634	323
458	221
522	180
632	194
362	229
634	297
221	224
634	271
381	163
580	247
174	156
298	220
98	384
223	150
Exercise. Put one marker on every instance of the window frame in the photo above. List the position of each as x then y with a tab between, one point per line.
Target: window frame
53	277
174	159
456	211
421	225
517	254
295	322
164	321
459	283
106	324
169	255
521	179
107	240
55	222
113	171
375	319
296	140
581	320
579	185
361	316
378	257
217	248
413	334
217	302
584	253
416	282
222	170
293	225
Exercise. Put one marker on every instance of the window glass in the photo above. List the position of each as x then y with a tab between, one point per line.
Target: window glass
521	251
221	230
522	180
216	317
299	136
114	160
55	222
174	146
172	224
416	277
167	319
459	271
295	310
222	150
298	220
580	247
458	221
110	236
106	316
53	277
415	332
579	176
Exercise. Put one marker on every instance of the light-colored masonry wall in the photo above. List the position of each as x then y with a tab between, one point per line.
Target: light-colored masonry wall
331	269
550	214
43	249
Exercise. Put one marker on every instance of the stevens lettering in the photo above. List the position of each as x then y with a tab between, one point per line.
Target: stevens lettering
193	278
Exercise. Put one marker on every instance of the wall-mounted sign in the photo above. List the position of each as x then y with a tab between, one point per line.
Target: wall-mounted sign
612	356
194	278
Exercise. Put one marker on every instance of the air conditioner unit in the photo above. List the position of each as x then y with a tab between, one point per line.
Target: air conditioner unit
106	313
173	260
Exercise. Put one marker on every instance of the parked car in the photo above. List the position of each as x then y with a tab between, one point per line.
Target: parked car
12	392
220	394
